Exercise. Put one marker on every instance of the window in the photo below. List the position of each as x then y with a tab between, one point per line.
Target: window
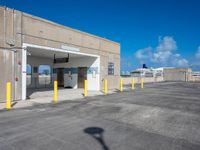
110	68
28	74
35	69
44	74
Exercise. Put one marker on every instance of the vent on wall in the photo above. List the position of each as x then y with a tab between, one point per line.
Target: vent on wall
61	60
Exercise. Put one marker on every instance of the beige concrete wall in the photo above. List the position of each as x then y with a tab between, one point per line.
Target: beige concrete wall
194	78
10	56
17	28
137	80
38	31
177	74
45	33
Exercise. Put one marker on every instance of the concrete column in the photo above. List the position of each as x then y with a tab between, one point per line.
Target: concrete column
24	62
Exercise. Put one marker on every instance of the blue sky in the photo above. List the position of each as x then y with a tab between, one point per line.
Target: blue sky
155	32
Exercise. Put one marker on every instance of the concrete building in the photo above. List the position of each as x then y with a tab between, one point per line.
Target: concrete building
34	52
149	72
177	74
142	72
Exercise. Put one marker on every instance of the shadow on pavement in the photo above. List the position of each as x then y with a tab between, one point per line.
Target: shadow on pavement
13	104
97	134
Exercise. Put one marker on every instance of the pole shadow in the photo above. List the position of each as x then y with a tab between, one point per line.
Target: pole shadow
97	134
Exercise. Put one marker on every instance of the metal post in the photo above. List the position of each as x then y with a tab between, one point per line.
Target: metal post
121	85
142	83
8	95
55	91
105	87
85	88
133	84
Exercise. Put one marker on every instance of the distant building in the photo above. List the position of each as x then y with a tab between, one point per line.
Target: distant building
142	72
177	74
196	74
149	72
125	74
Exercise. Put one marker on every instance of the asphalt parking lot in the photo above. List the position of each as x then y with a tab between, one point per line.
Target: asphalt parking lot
162	116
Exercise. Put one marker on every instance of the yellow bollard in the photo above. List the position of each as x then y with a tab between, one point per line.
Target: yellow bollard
8	95
133	84
55	91
142	83
105	87
121	86
85	88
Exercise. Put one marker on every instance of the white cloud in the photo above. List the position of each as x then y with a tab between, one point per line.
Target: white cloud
198	53
166	44
164	50
144	53
164	54
177	60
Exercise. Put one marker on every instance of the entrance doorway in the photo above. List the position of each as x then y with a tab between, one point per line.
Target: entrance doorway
82	75
37	54
60	77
